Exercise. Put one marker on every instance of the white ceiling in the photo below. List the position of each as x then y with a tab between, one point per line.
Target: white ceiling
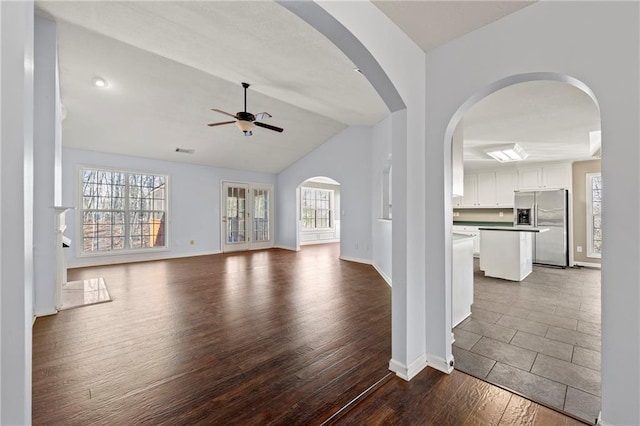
549	120
168	63
433	23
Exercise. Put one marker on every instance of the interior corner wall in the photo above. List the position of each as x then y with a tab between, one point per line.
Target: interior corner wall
194	203
346	158
47	144
381	229
598	44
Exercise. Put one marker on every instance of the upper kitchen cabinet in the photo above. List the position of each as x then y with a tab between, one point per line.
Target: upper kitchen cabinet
486	196
555	176
488	189
470	198
506	183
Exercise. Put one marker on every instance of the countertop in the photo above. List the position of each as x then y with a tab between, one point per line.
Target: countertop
455	238
512	229
472	223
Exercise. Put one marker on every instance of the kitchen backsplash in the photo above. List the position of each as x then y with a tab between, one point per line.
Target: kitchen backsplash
483	215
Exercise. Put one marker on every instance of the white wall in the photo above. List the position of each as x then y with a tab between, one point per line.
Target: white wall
381	229
404	64
16	215
345	158
194	203
47	157
596	43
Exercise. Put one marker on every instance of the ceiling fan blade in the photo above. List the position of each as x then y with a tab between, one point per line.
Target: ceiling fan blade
262	115
220	124
268	126
223	112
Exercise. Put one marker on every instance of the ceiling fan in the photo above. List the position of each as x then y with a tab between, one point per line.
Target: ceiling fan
245	120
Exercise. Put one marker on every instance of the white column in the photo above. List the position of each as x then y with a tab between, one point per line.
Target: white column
16	218
47	148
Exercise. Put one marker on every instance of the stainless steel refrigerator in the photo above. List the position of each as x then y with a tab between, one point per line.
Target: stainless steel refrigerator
545	209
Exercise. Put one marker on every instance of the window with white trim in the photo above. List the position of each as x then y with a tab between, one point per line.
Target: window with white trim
594	215
122	210
316	208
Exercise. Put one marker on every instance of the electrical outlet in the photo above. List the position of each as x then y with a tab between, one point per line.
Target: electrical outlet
501	214
579	249
192	242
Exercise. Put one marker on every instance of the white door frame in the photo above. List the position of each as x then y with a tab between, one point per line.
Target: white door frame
249	242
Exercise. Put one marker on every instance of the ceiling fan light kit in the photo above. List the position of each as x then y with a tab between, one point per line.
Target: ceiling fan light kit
246	121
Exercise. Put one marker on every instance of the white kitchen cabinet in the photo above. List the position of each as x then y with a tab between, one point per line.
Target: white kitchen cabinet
470	198
530	178
461	279
471	231
555	176
506	184
494	188
486	190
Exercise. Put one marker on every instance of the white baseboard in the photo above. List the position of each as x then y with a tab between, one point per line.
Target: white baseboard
44	312
355	259
440	364
382	274
408	373
315	242
135	258
588	264
286	248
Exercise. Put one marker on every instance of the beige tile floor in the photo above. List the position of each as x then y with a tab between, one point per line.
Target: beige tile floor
539	337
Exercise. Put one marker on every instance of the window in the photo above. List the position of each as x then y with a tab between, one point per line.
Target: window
387	183
316	208
594	215
122	210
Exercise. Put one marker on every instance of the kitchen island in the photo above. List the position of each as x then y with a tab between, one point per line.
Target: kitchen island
461	277
507	252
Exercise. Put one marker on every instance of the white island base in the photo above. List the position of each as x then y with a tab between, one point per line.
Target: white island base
506	254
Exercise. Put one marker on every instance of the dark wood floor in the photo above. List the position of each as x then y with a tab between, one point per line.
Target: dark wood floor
268	337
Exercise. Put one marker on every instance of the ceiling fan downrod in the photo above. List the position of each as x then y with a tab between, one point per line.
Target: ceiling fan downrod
246	86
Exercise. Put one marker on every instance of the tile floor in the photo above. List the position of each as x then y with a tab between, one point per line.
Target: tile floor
539	337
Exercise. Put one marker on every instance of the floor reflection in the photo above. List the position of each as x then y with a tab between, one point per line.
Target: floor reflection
84	292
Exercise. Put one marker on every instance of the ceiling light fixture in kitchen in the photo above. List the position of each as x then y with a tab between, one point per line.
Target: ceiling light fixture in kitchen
507	153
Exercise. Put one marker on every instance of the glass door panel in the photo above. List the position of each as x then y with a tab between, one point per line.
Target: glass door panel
235	217
247	216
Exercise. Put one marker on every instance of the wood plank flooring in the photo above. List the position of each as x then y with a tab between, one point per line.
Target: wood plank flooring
267	337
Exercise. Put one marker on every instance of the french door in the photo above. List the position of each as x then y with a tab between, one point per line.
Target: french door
247	216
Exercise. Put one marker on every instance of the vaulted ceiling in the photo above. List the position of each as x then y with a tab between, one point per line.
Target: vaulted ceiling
168	63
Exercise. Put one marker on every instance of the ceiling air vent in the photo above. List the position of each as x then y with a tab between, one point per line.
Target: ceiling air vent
185	150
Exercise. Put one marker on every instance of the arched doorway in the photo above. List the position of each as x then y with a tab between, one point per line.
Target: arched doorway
533	336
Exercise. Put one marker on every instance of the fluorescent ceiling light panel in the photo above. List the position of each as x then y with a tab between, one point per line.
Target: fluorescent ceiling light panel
507	153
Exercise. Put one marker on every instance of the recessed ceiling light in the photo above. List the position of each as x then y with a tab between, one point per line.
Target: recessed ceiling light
100	82
507	153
